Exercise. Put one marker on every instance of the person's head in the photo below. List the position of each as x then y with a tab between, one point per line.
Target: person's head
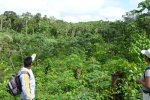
146	54
28	62
146	58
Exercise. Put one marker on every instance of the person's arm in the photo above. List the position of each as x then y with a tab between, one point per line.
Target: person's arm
33	57
24	78
146	81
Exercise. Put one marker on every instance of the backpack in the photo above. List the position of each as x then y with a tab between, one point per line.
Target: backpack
14	85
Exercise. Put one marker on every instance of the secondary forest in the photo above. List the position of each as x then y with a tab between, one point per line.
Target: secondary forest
95	60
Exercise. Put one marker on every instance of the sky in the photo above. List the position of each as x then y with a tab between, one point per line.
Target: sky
72	10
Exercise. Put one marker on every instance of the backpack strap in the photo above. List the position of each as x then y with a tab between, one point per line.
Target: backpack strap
24	72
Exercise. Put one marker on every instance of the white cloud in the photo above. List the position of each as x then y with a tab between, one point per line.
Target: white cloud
112	13
135	2
70	18
69	10
22	4
90	10
80	6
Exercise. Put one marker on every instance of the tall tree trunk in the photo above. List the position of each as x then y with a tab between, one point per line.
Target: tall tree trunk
26	26
10	26
1	24
33	30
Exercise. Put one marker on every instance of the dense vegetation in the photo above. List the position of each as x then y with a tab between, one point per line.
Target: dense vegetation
76	60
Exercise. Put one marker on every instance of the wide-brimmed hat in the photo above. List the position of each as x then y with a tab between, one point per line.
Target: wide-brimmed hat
146	53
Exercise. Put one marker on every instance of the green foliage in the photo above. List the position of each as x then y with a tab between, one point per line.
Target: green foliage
139	43
97	49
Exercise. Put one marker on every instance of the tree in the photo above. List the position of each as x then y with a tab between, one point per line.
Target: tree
10	18
131	15
144	5
45	18
37	18
18	25
26	16
2	18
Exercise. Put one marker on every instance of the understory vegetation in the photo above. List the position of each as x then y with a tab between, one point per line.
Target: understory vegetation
96	60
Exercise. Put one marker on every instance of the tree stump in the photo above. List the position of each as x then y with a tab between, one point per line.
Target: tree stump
116	82
77	73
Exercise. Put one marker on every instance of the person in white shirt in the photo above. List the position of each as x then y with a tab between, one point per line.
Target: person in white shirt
145	81
27	80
